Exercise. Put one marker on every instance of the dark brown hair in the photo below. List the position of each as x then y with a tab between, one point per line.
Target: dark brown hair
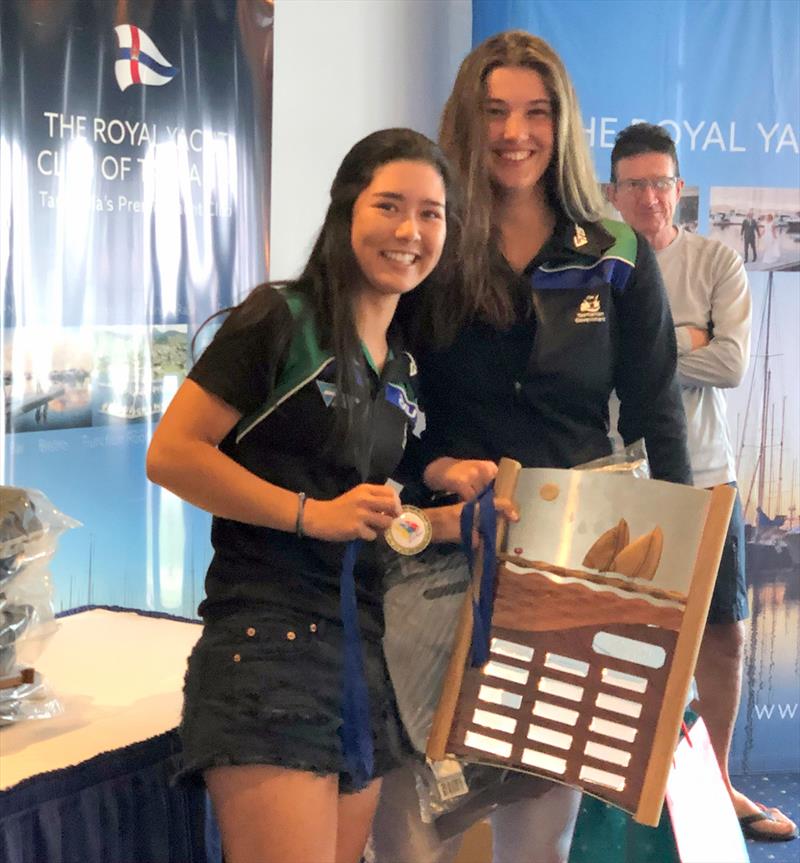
332	275
642	138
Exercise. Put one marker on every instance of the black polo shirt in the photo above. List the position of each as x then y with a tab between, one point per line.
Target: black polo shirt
271	368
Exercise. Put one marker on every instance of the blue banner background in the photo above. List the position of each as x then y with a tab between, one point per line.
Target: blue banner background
724	78
686	62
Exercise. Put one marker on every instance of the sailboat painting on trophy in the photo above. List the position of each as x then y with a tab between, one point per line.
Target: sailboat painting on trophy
600	602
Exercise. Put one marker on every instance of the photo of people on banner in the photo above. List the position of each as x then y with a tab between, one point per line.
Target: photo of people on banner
763	225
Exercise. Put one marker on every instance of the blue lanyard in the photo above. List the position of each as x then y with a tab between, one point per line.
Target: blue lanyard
482	606
356	730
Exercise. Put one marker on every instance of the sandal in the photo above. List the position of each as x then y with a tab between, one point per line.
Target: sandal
748	824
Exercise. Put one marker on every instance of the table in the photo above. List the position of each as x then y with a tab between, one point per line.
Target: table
93	784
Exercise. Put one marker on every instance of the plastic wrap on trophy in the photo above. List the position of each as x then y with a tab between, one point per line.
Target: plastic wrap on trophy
600	603
29	530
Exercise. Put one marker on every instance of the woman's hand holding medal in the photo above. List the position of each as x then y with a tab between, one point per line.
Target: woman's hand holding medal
361	513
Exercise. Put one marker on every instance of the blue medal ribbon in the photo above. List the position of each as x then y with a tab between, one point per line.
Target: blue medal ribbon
482	606
356	730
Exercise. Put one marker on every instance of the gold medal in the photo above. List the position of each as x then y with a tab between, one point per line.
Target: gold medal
410	532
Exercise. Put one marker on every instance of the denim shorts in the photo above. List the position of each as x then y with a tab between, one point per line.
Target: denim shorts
266	688
729	599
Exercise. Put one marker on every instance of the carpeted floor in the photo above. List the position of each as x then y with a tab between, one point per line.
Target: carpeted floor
776	789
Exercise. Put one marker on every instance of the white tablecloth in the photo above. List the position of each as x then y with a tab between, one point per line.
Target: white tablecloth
119	677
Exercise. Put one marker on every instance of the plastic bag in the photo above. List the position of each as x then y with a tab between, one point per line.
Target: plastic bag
27	696
14	620
631	461
29	529
422	600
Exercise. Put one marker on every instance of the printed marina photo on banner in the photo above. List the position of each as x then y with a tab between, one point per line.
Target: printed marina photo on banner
91	376
762	225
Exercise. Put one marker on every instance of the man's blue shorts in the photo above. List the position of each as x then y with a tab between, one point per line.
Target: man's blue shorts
729	600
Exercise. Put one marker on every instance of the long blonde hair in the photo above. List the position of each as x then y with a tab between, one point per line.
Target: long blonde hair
570	180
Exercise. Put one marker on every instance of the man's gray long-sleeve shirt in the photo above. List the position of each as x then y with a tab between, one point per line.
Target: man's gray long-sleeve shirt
707	287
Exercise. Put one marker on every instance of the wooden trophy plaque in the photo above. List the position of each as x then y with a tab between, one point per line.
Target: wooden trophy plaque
600	604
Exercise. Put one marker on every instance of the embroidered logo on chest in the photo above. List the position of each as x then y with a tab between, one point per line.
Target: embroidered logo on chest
590	311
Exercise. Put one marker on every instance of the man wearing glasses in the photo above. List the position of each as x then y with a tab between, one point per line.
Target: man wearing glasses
710	302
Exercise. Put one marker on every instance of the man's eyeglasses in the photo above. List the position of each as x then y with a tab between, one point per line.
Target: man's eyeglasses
657	184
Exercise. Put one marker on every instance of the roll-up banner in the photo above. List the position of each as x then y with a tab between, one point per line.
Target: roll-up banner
723	79
134	190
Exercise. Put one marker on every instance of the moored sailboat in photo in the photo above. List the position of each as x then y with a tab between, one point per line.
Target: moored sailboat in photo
768	536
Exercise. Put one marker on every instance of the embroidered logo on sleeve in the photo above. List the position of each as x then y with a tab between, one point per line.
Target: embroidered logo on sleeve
396	395
590	311
327	391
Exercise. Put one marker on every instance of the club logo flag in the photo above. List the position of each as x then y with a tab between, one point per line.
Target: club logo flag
139	61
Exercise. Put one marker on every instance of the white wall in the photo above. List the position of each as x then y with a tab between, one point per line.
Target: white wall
344	68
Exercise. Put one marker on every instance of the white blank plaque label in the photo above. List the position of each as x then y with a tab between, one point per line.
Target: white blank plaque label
557	714
512	650
499	696
543	760
608	753
612	677
494	720
612	729
506	672
566	664
487	744
546	735
602	777
558	687
619	705
629	649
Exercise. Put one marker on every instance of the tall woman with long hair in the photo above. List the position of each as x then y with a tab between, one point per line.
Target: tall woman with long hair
555	307
286	430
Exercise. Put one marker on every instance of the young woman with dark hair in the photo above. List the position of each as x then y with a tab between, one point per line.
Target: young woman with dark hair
286	429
